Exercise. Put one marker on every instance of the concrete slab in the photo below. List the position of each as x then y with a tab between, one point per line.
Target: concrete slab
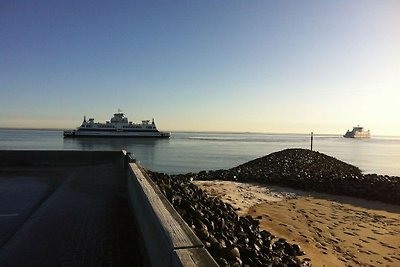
19	197
83	221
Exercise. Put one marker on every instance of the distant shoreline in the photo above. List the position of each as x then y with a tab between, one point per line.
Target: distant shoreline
32	129
215	132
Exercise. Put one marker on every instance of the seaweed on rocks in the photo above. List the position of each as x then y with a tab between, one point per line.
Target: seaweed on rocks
230	239
311	171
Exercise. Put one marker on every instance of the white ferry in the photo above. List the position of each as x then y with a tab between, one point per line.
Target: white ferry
118	126
357	132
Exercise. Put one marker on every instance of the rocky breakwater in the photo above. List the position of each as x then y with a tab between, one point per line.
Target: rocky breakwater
312	171
230	239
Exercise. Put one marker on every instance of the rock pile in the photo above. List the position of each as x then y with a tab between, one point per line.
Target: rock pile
312	171
230	239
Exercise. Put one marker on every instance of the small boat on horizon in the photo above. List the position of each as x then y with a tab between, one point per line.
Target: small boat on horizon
357	132
118	126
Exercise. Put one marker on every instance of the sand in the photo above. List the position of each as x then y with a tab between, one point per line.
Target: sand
331	230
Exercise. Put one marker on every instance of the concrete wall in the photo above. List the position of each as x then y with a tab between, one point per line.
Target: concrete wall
167	238
26	158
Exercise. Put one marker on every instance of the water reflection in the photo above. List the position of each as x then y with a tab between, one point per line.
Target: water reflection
144	149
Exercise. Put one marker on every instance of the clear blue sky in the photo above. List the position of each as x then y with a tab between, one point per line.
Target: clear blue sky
252	66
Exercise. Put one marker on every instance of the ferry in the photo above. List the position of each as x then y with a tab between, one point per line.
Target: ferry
118	126
357	132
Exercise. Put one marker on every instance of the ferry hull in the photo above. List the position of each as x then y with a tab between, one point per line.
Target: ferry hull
75	134
357	135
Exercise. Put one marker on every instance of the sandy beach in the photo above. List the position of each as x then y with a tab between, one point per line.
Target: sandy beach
332	230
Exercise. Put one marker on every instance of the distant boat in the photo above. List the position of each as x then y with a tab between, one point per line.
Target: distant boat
357	132
118	126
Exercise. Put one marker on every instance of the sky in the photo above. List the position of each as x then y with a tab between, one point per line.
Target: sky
232	66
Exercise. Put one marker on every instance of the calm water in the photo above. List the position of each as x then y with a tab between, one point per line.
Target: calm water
192	152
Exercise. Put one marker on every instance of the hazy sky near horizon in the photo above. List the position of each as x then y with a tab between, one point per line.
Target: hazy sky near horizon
247	66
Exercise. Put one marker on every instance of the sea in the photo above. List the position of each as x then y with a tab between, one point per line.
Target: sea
188	152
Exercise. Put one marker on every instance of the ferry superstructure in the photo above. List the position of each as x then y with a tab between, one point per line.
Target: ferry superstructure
118	126
357	132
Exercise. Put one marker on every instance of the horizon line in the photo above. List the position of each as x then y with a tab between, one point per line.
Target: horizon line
200	131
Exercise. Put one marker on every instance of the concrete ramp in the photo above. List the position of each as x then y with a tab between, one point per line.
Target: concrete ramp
88	208
80	215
